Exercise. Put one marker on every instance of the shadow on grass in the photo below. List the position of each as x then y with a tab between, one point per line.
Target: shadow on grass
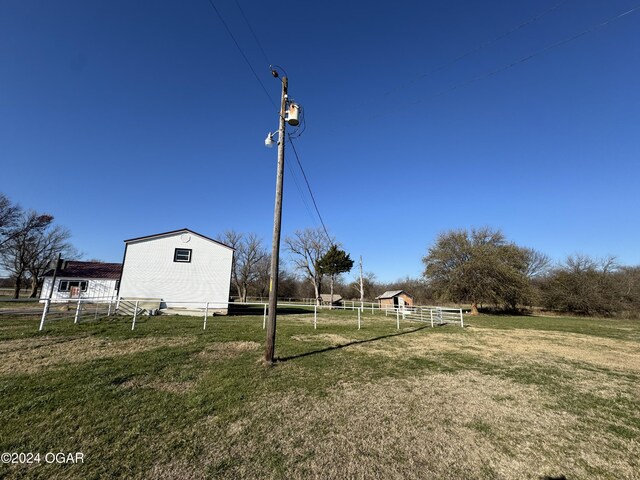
355	342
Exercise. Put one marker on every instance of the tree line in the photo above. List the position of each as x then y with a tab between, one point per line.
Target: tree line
481	267
29	242
313	255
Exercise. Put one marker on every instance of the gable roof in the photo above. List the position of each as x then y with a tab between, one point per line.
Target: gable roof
87	270
326	297
392	293
175	232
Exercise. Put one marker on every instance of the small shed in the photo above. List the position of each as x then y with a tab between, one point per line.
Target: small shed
95	280
180	269
325	299
395	299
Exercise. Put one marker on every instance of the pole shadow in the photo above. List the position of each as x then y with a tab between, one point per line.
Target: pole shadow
344	345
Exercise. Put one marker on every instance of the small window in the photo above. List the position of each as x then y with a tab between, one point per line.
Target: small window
182	255
66	285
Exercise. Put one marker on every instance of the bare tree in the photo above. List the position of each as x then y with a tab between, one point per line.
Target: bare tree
368	287
261	285
247	261
9	215
537	263
307	247
584	285
17	253
43	249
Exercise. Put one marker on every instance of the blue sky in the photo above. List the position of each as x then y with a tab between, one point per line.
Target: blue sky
125	119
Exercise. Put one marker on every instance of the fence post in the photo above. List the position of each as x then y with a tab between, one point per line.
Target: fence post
206	314
135	315
398	319
75	320
264	317
372	308
358	319
109	309
45	310
315	316
461	319
431	312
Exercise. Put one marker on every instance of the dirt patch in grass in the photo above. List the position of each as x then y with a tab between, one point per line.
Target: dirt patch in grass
222	350
27	356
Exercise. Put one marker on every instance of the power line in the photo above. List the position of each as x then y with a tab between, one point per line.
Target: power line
255	37
302	196
487	43
293	147
304	175
242	52
496	39
273	103
527	58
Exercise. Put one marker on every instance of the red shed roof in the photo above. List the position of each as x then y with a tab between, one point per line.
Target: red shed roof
74	269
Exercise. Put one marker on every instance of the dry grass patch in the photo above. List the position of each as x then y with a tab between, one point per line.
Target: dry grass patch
177	387
613	354
28	356
464	425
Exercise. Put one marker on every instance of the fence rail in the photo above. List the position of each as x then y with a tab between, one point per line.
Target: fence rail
97	308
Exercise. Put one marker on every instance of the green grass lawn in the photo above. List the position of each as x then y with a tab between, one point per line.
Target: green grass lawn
505	397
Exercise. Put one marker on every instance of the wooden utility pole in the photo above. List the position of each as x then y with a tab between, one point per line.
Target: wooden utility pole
55	274
277	221
361	287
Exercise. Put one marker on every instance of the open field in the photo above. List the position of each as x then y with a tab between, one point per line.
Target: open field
506	397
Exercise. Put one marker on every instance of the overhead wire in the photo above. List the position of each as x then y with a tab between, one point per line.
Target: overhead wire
524	59
496	39
255	37
483	45
304	175
291	171
246	59
293	147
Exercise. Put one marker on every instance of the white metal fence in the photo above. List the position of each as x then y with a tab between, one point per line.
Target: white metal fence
428	314
84	309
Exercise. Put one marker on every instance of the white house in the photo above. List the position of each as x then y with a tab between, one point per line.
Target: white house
95	280
182	269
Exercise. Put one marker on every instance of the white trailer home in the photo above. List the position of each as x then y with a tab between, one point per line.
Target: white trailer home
182	269
92	280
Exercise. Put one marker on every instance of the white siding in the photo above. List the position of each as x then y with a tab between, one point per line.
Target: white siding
150	272
103	290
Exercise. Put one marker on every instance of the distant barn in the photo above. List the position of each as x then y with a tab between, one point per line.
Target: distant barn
395	299
325	299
